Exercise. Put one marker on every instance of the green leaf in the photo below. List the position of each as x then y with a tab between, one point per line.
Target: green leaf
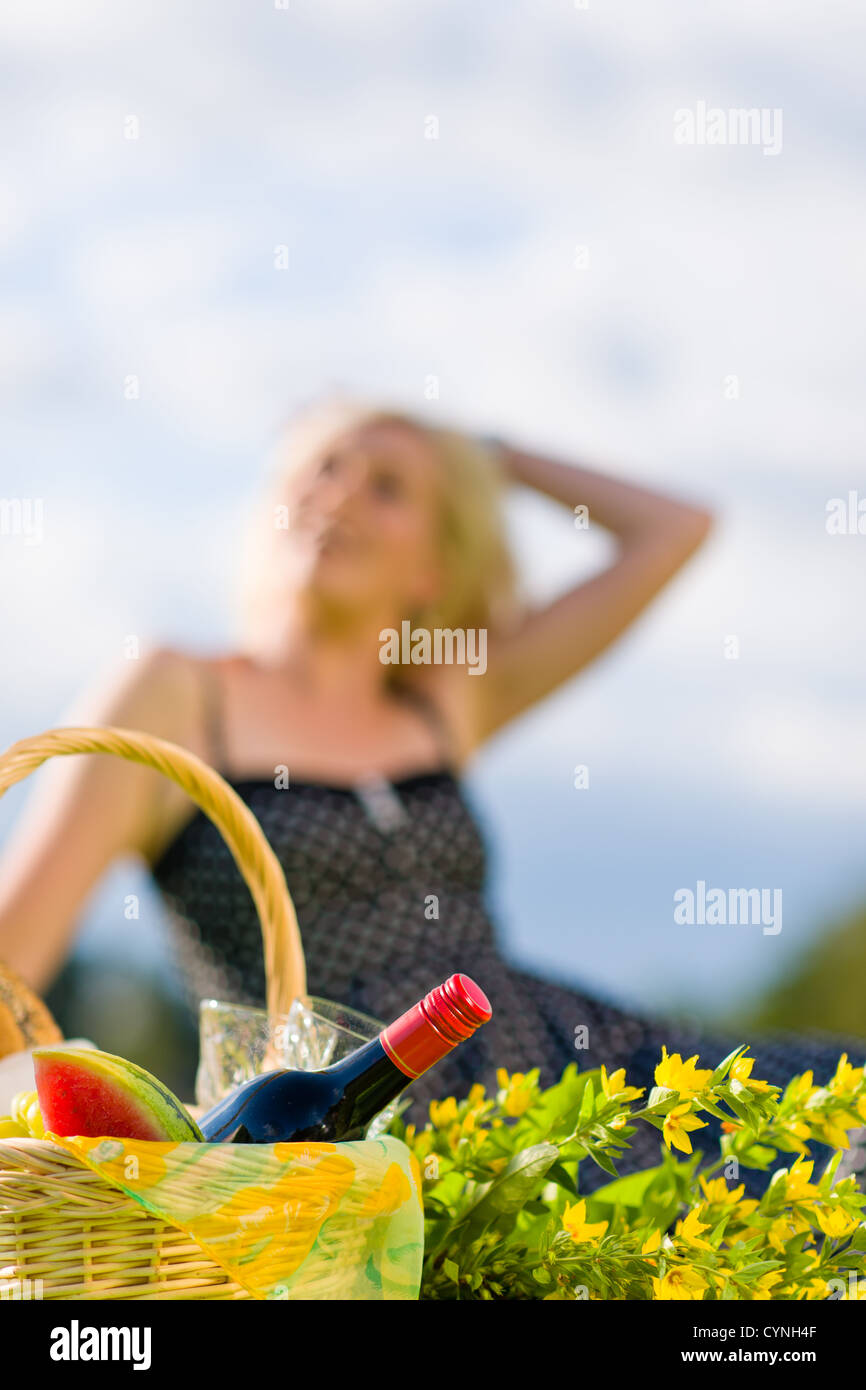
586	1103
758	1156
719	1229
557	1109
722	1069
559	1174
660	1095
741	1111
629	1191
754	1244
743	1094
511	1189
657	1121
451	1271
829	1172
601	1158
754	1271
714	1109
775	1193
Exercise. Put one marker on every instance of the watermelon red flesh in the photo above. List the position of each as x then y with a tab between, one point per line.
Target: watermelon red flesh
74	1101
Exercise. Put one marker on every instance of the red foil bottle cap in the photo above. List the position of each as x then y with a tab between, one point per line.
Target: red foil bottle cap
446	1016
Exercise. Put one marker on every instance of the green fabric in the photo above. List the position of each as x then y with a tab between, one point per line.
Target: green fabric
287	1221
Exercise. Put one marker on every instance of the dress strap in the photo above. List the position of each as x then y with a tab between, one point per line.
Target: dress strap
212	706
429	711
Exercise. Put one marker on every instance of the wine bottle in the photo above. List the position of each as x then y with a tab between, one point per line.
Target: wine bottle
339	1101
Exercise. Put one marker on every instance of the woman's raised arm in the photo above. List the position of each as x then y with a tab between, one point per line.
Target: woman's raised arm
83	812
657	534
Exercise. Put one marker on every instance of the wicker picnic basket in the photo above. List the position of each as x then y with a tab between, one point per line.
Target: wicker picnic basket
61	1223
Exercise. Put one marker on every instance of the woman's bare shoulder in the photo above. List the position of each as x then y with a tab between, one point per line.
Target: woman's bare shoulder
159	691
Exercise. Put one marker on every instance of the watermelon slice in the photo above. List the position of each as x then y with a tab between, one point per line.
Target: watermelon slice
93	1093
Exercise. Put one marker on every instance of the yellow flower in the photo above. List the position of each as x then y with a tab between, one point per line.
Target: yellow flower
783	1229
455	1134
423	1144
518	1102
681	1076
847	1078
804	1087
779	1233
575	1222
797	1185
614	1086
835	1222
719	1194
761	1287
443	1112
689	1230
652	1243
742	1071
816	1288
680	1284
519	1093
833	1129
476	1096
798	1132
677	1125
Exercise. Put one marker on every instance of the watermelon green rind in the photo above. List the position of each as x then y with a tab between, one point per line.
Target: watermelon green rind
95	1093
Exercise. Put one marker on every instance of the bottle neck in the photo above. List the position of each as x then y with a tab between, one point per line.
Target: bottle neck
413	1044
398	1054
424	1034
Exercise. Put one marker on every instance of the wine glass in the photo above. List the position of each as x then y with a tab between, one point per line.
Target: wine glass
321	1032
238	1042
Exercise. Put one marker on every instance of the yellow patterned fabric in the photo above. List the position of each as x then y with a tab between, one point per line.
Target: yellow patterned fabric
287	1221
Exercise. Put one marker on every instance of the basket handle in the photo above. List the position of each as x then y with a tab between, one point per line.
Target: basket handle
284	957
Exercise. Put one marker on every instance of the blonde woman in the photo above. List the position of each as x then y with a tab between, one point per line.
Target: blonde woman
375	520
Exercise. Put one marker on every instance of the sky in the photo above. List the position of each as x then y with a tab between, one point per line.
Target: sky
209	213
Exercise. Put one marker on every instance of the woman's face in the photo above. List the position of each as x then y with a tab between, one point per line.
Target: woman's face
363	530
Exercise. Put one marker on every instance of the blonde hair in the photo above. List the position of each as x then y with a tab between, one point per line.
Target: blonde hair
480	581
